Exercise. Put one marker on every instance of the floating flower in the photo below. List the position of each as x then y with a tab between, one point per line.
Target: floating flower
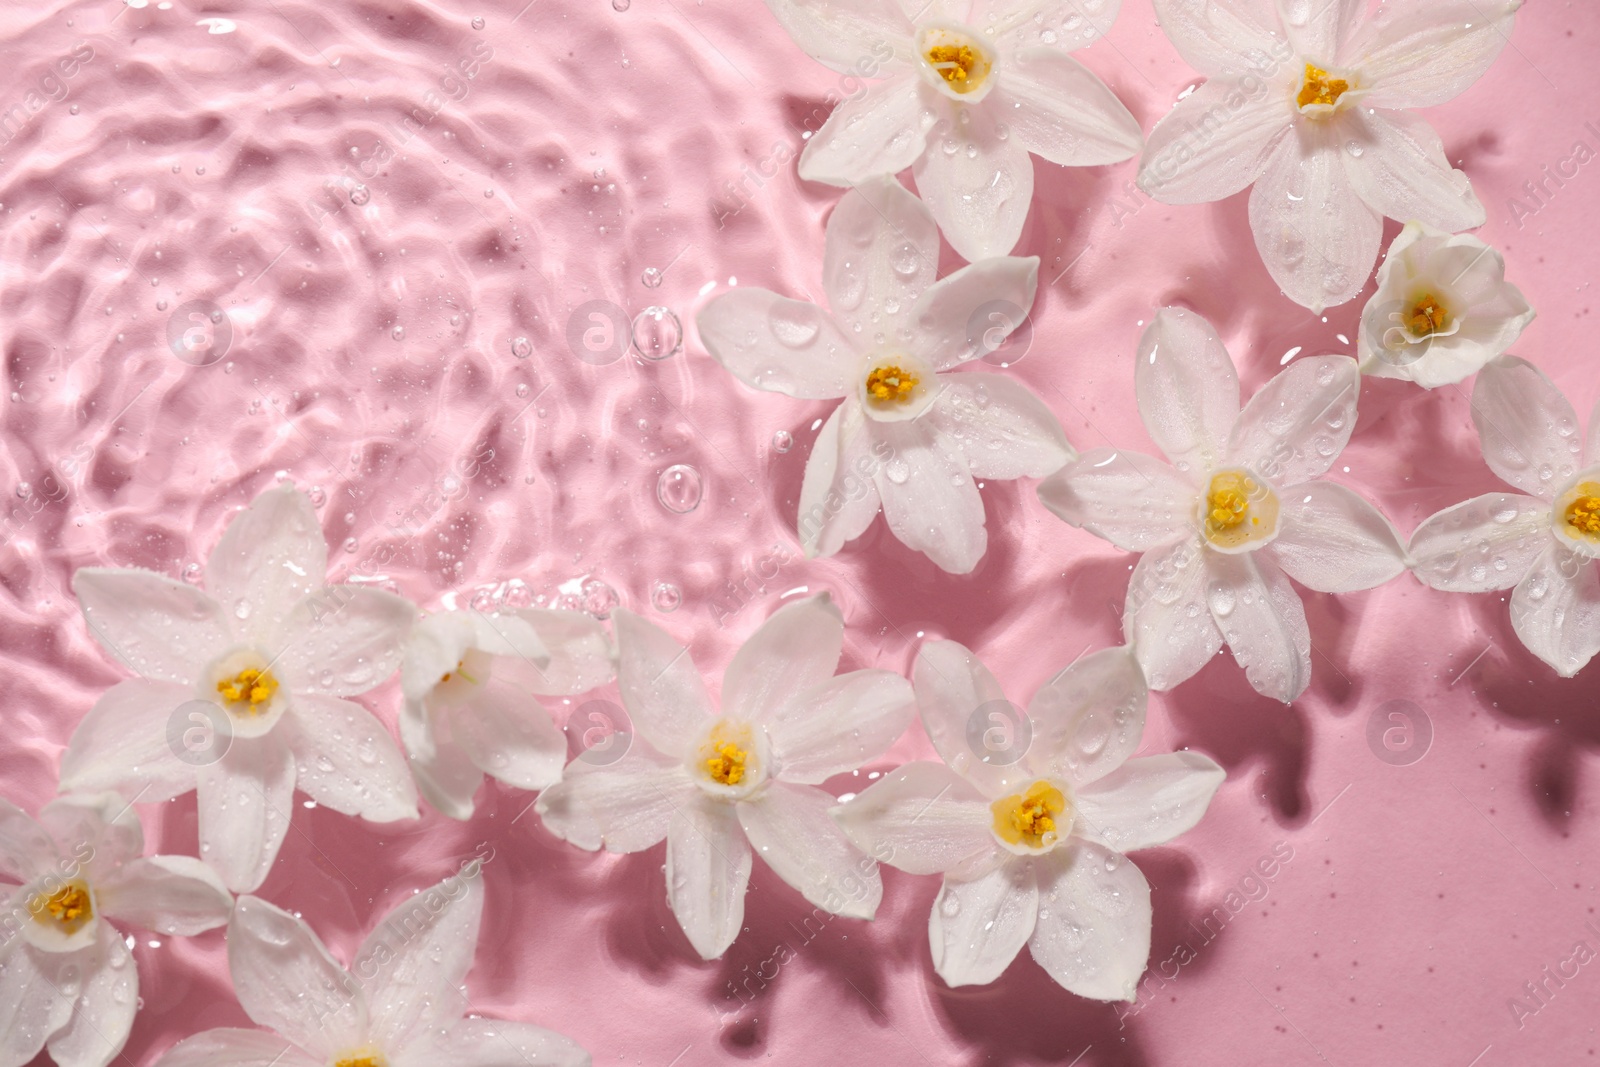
908	437
1309	103
966	96
1543	540
240	688
470	681
69	979
399	1005
1443	309
1030	835
1236	515
714	785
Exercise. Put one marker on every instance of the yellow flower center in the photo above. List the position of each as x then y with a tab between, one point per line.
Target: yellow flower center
460	664
1030	818
364	1058
1583	514
890	383
1427	316
247	691
726	763
1320	87
955	64
68	908
1228	502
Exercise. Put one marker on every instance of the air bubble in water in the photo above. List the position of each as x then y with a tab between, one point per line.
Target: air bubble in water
359	195
657	333
666	596
678	488
521	347
477	22
782	441
651	277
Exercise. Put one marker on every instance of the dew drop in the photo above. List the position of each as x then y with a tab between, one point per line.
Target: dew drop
666	596
657	333
651	278
477	22
360	194
521	347
782	441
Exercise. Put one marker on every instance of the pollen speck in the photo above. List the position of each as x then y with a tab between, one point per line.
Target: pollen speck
248	690
726	764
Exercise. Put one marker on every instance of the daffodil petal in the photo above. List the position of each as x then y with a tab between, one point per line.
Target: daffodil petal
108	999
922	817
1555	610
1401	171
1528	429
839	494
1165	617
496	1043
1296	425
880	252
1488	542
956	693
881	131
161	629
1215	141
1062	112
790	829
510	736
414	962
840	724
1093	931
169	894
245	800
271	556
978	926
1331	540
446	776
1148	801
661	687
843	37
708	868
1134	501
978	184
1187	389
625	806
1088	718
1316	235
31	1008
1004	429
286	980
780	345
581	656
26	850
971	310
796	649
1223	37
235	1048
929	497
1263	621
101	830
343	640
1321	28
348	760
125	743
1422	55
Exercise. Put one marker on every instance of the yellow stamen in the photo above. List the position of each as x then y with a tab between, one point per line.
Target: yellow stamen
1320	87
1029	818
890	383
248	690
68	907
362	1059
955	64
1427	316
1583	514
726	765
1228	503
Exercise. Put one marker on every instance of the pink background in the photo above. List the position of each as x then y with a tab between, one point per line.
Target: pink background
585	149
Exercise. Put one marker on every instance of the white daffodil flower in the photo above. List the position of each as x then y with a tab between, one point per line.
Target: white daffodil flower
240	690
908	437
1030	833
1544	540
716	784
1443	309
1308	100
470	682
969	90
1236	514
67	979
400	1004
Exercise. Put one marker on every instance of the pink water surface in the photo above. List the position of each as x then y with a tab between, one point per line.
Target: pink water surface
518	168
